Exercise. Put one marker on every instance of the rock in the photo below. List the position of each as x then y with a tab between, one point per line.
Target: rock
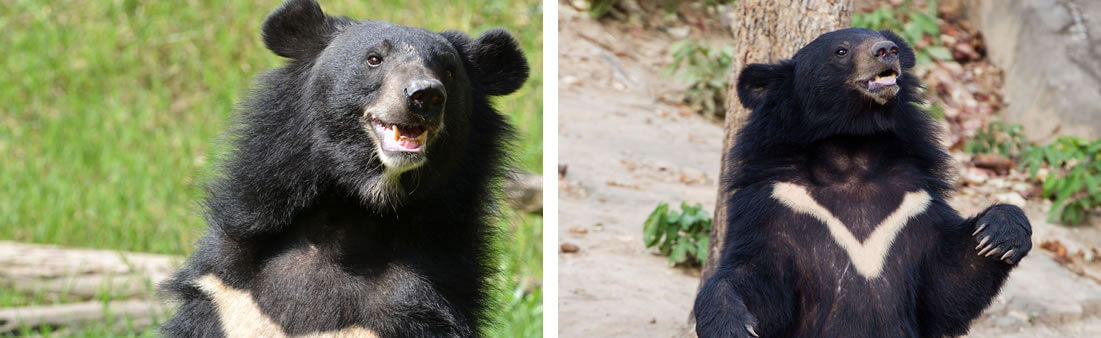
571	80
1011	198
973	176
998	183
679	32
580	230
1038	271
1022	187
1008	322
1051	54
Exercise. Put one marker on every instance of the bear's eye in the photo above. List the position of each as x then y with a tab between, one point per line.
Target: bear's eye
374	60
841	52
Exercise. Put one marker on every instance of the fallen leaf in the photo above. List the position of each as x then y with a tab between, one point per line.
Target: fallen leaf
996	162
569	247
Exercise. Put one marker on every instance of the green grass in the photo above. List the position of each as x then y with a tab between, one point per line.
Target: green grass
111	111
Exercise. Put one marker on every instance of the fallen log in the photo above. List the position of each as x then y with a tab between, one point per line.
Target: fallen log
123	315
82	273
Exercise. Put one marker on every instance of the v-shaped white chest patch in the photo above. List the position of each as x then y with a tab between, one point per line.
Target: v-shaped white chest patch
867	257
240	316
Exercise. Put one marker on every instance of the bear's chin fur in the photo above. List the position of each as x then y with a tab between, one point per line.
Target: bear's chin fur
387	189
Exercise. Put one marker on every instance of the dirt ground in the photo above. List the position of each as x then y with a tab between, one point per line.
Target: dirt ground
626	149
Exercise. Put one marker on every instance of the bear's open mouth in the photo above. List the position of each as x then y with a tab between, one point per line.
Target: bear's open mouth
401	138
882	80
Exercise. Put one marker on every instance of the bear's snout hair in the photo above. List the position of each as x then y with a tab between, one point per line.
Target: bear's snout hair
877	67
410	96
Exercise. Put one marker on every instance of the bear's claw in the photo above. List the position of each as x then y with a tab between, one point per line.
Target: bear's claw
1004	233
750	329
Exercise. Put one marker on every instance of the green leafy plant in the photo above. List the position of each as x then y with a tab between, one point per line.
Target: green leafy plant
683	236
1074	177
705	70
998	137
599	8
913	24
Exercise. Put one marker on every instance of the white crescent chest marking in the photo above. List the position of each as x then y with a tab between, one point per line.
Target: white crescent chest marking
240	316
867	257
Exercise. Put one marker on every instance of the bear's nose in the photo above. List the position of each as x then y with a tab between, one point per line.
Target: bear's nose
885	51
426	97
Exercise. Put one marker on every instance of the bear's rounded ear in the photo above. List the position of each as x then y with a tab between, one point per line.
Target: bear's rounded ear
905	53
758	80
499	66
296	30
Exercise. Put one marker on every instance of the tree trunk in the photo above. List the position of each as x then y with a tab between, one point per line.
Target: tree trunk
766	31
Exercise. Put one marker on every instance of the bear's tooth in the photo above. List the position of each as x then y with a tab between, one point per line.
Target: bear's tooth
397	133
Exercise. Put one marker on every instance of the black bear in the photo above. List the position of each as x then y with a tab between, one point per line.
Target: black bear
838	225
357	199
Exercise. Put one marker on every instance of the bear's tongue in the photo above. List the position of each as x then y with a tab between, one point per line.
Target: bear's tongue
404	139
881	81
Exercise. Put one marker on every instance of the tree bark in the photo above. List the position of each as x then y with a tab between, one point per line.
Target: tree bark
765	31
121	316
81	273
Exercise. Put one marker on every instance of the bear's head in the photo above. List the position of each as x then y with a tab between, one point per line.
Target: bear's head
387	100
845	81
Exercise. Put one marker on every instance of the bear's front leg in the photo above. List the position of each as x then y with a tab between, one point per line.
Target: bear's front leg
1003	232
968	265
720	312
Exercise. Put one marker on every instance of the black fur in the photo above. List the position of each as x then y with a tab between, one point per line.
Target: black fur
293	217
782	275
